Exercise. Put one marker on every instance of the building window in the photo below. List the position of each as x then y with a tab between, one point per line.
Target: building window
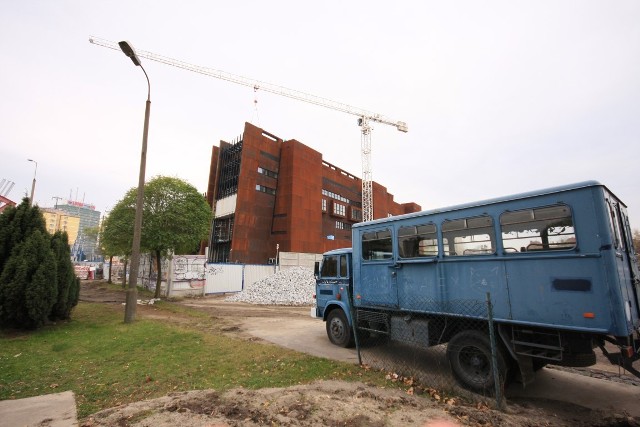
324	205
267	172
339	209
356	214
335	196
229	170
342	226
267	190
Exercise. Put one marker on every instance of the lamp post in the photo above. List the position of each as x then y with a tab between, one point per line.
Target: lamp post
132	291
33	185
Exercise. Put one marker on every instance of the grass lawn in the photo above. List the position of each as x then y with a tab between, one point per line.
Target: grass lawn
107	363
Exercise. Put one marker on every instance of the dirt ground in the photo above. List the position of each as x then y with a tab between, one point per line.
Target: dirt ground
323	403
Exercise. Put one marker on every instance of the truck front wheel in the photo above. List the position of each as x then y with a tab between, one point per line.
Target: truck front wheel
338	329
469	354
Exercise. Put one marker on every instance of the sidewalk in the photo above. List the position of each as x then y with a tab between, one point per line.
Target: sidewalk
51	410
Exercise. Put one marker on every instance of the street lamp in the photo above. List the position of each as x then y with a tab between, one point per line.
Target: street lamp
132	291
33	185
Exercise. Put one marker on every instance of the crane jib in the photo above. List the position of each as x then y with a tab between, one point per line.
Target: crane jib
364	116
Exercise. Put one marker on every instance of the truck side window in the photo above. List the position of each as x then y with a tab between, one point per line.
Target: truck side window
343	266
469	236
615	225
418	241
377	245
539	229
329	266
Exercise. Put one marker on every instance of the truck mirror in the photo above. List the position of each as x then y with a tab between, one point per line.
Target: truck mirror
316	269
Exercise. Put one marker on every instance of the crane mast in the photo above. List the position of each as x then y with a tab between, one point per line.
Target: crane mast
365	117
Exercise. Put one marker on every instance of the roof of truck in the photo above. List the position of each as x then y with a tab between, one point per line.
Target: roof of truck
528	194
338	251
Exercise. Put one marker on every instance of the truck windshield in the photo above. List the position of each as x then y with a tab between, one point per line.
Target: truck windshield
333	264
329	266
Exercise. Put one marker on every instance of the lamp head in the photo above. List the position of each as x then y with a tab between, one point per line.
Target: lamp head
128	50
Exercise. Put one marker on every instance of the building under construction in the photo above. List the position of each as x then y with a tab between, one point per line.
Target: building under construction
271	195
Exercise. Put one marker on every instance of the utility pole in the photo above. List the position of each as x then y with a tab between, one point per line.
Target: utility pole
56	198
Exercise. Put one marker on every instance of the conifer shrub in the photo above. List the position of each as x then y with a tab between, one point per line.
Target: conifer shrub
28	283
68	283
37	279
16	224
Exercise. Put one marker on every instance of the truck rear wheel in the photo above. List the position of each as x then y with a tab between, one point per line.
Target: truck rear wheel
469	354
338	329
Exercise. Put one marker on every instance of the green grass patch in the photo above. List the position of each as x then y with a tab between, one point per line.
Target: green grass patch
106	362
181	309
143	293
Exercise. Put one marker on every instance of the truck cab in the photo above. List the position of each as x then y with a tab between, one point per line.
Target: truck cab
334	293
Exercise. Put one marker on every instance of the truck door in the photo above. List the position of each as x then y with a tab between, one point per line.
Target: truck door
626	258
332	283
378	271
417	278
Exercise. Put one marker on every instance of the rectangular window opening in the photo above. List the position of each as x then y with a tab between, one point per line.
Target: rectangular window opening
377	245
468	236
538	229
418	241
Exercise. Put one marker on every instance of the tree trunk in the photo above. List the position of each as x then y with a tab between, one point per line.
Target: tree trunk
159	278
124	274
110	269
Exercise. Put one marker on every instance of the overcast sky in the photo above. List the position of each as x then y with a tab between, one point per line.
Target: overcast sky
500	97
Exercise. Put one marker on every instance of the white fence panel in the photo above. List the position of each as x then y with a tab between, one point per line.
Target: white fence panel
187	275
255	273
222	278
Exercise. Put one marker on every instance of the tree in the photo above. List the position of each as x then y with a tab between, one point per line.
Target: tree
37	280
68	283
16	223
28	283
92	233
636	240
116	236
176	218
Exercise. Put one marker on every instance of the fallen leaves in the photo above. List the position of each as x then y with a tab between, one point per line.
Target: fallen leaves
415	389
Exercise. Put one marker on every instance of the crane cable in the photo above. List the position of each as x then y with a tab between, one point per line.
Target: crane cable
256	114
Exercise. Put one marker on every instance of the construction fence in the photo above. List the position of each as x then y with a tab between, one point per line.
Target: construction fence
191	275
450	346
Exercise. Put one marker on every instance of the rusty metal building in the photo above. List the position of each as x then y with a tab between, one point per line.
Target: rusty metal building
271	195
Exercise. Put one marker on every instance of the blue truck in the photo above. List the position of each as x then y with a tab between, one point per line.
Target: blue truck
558	265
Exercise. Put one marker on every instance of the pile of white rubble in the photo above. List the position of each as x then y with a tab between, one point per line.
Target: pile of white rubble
291	286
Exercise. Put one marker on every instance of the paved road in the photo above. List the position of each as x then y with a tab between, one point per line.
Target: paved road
50	410
308	335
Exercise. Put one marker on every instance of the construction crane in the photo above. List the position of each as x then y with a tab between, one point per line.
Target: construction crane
365	118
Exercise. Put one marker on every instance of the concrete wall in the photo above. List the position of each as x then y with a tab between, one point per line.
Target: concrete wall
297	259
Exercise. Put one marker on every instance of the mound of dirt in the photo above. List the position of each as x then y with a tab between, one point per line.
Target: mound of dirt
333	403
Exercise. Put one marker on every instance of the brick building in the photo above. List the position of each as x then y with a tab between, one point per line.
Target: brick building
266	192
